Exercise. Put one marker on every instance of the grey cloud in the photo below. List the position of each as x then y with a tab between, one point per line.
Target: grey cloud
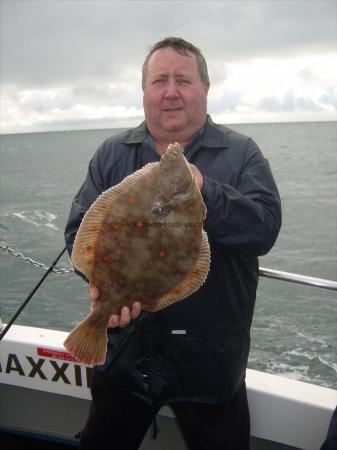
60	42
42	103
228	101
97	94
240	30
330	97
288	103
307	75
218	73
78	53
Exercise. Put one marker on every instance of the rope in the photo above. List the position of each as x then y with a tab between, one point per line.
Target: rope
50	269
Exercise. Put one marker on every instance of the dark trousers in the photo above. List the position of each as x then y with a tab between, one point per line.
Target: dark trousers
330	442
119	421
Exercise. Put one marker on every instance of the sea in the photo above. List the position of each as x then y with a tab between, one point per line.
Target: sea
294	331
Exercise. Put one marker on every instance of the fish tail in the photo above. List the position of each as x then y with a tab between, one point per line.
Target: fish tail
87	343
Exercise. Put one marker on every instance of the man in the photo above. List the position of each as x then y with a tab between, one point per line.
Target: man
193	354
330	442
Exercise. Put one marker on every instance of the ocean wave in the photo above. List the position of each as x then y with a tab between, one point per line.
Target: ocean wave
311	356
319	340
37	218
3	227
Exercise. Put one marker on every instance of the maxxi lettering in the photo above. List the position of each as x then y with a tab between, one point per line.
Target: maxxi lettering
36	367
62	371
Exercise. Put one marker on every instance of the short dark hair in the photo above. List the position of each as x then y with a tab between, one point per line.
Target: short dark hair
184	48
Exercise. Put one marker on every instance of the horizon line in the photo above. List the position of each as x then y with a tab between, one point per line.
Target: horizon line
127	127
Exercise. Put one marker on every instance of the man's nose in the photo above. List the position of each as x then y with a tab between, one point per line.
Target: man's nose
171	90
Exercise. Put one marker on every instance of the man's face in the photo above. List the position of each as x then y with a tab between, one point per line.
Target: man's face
175	98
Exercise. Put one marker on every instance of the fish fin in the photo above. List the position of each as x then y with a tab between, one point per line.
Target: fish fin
191	282
86	343
85	241
136	175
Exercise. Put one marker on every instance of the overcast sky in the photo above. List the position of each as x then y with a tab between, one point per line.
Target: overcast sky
76	64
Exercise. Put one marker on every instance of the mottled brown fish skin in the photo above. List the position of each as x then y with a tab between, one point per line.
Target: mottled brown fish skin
140	257
148	245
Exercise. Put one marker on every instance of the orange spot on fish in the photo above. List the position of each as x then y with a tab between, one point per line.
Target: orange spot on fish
93	229
89	248
104	258
190	209
131	199
162	253
140	224
177	291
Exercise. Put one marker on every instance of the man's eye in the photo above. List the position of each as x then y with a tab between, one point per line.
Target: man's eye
183	81
158	81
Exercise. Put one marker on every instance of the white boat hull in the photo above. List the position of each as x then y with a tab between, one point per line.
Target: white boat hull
45	392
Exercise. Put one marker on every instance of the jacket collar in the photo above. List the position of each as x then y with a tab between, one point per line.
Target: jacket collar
213	136
136	135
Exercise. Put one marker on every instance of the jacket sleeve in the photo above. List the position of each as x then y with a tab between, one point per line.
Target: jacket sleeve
92	187
246	217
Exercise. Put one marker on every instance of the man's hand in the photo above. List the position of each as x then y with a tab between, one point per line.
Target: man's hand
197	176
117	320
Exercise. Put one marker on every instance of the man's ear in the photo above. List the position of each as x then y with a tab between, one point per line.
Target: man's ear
206	87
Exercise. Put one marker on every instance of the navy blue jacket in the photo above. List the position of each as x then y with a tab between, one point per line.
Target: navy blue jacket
196	349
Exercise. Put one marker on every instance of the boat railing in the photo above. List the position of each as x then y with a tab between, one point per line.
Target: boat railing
297	278
264	272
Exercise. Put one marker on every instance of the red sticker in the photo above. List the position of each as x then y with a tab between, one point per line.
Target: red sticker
55	354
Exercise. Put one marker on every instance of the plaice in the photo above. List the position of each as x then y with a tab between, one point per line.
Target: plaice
142	240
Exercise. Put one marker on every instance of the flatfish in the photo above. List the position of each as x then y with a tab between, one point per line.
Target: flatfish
141	240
